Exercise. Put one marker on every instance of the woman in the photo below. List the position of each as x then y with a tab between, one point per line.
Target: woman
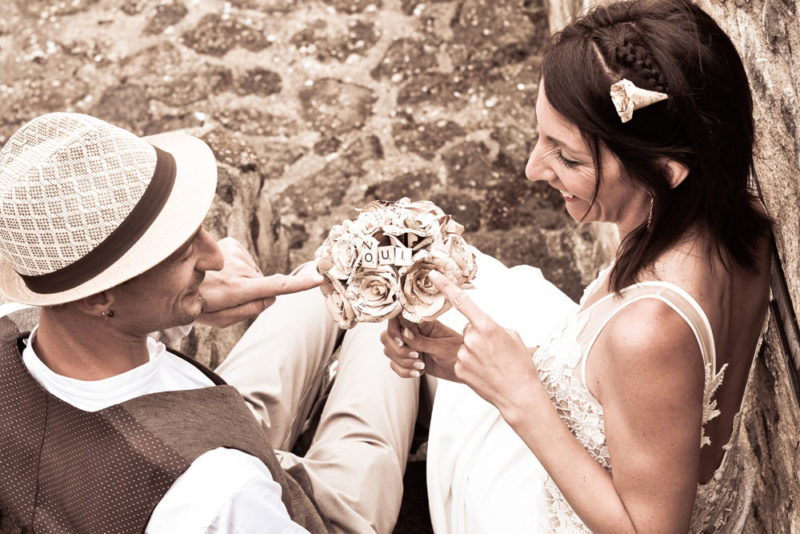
619	421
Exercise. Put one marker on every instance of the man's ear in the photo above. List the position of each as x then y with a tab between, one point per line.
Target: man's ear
676	172
96	305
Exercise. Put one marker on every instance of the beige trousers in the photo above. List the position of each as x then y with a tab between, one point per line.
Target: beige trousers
358	454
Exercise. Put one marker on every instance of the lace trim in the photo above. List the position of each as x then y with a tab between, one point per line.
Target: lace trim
590	289
722	504
710	411
580	411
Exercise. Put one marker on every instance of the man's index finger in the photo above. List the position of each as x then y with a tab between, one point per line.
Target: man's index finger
285	284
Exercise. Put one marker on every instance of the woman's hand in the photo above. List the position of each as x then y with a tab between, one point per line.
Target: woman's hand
240	291
492	360
428	346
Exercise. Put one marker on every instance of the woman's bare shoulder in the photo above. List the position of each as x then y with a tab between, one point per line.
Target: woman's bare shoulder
734	298
647	349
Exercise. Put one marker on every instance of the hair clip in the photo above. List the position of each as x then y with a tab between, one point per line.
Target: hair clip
627	98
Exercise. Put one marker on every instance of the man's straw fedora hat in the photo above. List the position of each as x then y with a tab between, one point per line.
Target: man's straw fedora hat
85	205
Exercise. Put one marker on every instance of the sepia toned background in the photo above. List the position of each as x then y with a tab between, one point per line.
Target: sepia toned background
314	108
317	107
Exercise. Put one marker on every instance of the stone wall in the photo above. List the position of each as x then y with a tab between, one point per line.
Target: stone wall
767	34
315	108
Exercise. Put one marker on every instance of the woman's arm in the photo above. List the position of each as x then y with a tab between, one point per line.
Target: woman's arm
646	371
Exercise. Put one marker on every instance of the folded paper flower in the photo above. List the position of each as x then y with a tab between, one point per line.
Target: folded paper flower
627	98
377	266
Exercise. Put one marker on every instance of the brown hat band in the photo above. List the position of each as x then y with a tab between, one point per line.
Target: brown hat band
120	240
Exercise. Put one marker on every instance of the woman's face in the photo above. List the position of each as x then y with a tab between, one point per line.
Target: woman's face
563	160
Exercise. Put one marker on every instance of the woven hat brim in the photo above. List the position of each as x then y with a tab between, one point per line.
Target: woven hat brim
182	214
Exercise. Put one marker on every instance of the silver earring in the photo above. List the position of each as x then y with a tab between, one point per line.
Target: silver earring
107	314
650	214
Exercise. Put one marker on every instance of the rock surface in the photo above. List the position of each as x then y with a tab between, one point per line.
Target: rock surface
767	35
313	109
316	107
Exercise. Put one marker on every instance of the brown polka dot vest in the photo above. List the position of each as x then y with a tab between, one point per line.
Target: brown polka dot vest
63	470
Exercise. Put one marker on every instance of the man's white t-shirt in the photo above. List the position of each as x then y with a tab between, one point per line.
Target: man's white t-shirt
224	491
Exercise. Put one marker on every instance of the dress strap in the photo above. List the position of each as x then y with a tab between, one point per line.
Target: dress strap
673	296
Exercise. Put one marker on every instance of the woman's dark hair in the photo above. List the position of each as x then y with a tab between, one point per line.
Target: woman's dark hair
674	47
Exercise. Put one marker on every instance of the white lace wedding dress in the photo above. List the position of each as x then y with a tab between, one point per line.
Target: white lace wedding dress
481	475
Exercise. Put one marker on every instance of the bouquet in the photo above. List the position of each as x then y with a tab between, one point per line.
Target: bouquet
377	266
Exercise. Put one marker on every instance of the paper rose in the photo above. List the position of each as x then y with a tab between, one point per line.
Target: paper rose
377	266
457	249
420	298
373	293
339	258
337	303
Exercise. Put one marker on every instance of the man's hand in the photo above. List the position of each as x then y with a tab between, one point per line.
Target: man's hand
239	291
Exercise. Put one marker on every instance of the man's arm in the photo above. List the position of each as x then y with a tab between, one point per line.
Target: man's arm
224	491
239	291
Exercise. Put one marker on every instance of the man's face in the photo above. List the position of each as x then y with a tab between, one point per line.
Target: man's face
168	294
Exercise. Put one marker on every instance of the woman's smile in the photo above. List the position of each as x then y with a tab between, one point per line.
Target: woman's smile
569	197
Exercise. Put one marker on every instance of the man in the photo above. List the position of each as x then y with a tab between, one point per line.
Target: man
102	429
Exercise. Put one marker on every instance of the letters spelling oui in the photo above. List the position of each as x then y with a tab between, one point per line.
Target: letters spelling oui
372	257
